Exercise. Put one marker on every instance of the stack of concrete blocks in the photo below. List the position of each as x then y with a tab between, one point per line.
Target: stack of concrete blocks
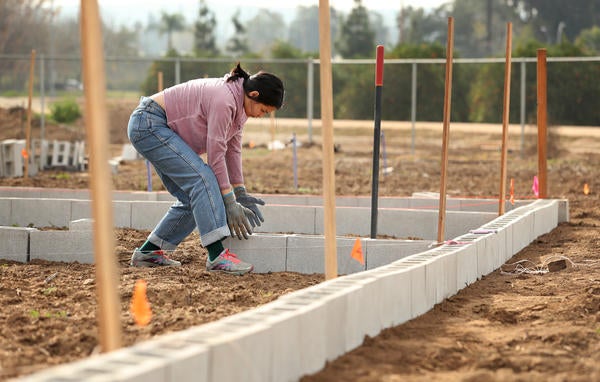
11	158
42	155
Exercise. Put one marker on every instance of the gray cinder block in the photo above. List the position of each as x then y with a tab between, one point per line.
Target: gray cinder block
67	246
14	243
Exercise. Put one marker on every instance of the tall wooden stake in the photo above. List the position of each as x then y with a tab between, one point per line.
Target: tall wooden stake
446	132
97	132
27	151
505	119
542	120
327	128
376	139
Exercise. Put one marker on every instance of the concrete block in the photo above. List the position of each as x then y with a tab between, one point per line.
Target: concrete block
81	225
286	352
61	151
522	232
266	252
41	212
418	298
407	224
466	266
457	223
306	254
545	217
395	298
184	361
381	252
563	210
349	221
12	161
335	297
363	307
82	209
5	211
63	246
145	215
288	219
14	243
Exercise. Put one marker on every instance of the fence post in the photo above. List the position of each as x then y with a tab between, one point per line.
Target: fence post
310	81
523	79
43	107
413	106
177	71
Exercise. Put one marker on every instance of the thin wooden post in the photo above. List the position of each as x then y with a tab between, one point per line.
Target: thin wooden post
505	119
27	152
327	131
100	180
446	132
542	121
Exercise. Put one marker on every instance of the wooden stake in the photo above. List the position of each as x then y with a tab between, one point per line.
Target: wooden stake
327	128
505	120
542	120
446	132
97	132
27	152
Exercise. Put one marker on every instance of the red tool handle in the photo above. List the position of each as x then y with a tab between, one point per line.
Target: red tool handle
379	66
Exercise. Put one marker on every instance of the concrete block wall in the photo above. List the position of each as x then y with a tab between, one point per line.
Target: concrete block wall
297	333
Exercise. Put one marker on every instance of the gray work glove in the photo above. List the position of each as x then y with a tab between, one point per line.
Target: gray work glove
250	202
237	217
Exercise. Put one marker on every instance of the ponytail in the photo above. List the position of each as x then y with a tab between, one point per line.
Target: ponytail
238	72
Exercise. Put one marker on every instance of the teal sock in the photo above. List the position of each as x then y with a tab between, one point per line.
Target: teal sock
214	250
148	247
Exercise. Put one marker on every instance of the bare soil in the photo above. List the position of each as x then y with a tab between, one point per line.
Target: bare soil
516	324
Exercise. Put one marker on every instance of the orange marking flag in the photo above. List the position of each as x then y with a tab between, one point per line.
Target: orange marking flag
586	189
24	154
357	253
140	307
512	191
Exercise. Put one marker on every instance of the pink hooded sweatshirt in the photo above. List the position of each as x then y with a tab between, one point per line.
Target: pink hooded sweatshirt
208	114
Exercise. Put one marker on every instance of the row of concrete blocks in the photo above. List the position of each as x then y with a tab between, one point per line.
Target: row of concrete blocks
298	333
419	200
42	154
267	252
308	220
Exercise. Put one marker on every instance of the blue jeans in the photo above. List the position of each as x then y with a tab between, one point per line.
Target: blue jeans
184	174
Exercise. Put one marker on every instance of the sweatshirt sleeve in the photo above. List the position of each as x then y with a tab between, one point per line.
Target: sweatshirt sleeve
220	116
233	158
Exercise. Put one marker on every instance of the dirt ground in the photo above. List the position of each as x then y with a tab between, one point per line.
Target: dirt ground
516	324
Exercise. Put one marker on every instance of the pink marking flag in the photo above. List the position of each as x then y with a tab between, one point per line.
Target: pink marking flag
536	187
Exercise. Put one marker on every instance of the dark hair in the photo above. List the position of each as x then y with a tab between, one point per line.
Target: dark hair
269	86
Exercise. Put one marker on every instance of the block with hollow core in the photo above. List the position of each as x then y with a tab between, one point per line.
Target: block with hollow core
14	243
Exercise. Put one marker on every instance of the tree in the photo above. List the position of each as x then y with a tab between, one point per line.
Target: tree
170	23
23	25
357	37
204	32
264	29
238	43
589	40
304	29
553	19
416	27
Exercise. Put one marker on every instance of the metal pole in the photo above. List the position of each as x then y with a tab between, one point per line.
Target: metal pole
310	81
177	71
413	106
295	161
542	122
376	139
43	111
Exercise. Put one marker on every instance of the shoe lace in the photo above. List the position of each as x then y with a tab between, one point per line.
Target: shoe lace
231	256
